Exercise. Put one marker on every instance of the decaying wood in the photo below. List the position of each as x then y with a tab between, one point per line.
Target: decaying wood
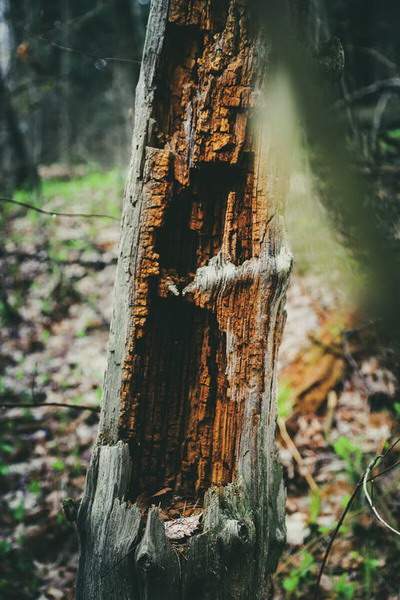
188	418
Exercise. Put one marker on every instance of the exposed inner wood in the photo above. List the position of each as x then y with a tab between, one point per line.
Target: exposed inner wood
188	418
194	353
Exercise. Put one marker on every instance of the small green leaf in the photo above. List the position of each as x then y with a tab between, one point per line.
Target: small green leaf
19	512
58	465
291	582
344	588
315	506
6	448
34	486
285	401
4	469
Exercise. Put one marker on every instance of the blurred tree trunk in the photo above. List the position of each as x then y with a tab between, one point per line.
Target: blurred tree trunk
64	151
129	44
184	497
16	165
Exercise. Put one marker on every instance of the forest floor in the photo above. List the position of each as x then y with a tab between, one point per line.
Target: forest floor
337	406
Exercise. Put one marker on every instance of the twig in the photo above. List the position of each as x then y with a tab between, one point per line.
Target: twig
333	537
379	111
393	83
393	466
33	383
366	477
59	404
87	54
291	446
53	213
346	510
384	60
330	413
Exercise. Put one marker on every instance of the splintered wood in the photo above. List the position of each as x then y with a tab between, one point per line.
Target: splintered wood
194	347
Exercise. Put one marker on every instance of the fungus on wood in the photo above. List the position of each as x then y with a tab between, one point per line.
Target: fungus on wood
184	497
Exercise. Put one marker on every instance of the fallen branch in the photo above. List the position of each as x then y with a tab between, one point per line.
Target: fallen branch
53	213
291	446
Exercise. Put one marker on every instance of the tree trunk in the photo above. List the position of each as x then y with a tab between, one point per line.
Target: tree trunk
17	167
184	497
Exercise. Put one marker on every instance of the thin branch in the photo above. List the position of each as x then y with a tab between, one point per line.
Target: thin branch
291	446
393	83
384	60
366	478
59	404
53	213
379	112
387	470
95	57
347	508
333	537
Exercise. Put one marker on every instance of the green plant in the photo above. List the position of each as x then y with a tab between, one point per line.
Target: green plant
34	486
315	507
352	456
5	450
17	578
285	400
300	574
18	512
394	133
327	529
369	567
344	588
58	465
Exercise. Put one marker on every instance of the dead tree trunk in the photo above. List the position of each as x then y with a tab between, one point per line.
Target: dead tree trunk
184	497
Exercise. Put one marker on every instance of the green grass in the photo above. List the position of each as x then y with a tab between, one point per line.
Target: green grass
101	191
95	192
69	189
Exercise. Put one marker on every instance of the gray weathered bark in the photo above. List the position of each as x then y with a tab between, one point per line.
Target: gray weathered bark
186	439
